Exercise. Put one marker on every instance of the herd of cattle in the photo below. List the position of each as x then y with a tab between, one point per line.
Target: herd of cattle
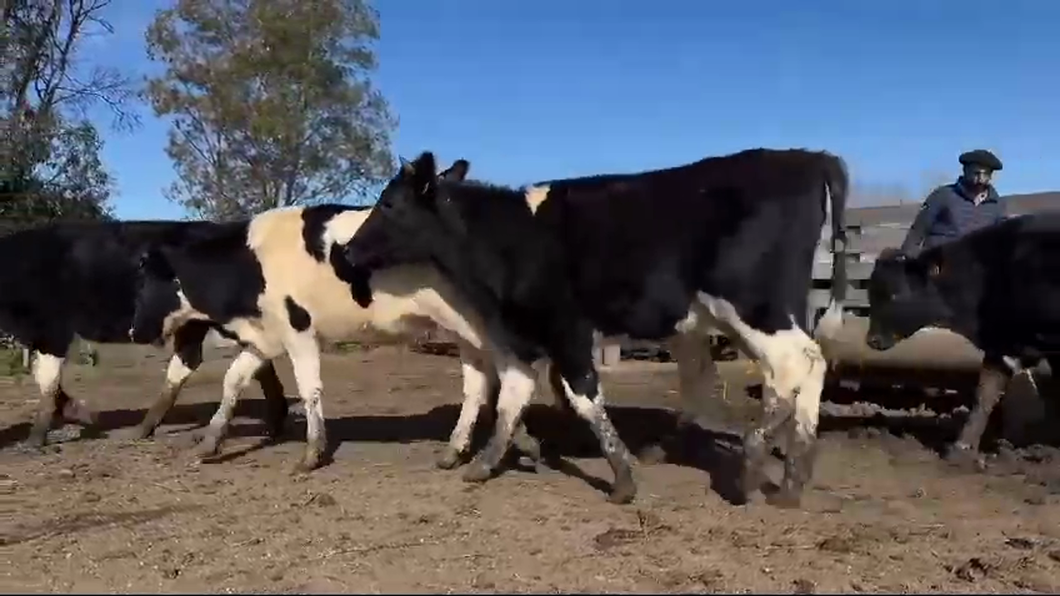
520	275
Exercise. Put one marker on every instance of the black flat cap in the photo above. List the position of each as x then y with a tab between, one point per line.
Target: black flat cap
980	157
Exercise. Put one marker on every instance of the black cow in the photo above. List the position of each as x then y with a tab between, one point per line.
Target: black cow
72	279
726	242
999	287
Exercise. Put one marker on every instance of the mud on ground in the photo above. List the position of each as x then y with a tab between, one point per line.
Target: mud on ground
883	514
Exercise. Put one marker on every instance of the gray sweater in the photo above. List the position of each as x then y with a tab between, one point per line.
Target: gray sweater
948	213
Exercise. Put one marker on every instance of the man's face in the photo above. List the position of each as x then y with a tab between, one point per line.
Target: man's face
978	178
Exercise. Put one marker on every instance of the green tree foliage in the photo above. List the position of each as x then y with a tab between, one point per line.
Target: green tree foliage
49	150
271	103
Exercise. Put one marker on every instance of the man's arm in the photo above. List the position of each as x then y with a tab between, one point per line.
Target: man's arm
924	219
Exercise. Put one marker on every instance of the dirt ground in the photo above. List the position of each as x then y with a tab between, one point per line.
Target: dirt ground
883	514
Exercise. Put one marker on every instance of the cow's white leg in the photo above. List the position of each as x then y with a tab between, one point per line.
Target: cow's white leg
481	385
304	352
47	372
518	380
480	381
237	377
793	370
615	451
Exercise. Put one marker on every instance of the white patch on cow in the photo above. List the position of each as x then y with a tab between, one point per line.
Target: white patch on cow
830	323
179	317
47	372
535	196
518	381
478	376
1013	364
792	365
177	372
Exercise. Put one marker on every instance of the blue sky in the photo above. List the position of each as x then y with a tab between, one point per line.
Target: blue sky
555	88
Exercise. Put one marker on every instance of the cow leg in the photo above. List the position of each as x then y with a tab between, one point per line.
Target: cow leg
72	409
517	389
276	409
793	370
237	377
480	381
47	372
186	359
591	409
993	379
304	351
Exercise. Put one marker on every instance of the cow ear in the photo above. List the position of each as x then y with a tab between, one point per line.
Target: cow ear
424	176
456	172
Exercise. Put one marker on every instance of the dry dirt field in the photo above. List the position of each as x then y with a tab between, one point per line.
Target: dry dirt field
883	514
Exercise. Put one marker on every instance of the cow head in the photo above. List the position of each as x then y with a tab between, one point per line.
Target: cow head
161	307
903	297
408	224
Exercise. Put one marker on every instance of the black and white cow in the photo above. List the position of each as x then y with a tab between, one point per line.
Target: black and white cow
72	279
999	287
726	242
279	284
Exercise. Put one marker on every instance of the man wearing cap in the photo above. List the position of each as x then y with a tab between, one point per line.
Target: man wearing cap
955	209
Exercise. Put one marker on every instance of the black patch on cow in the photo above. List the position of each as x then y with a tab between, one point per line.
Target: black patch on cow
360	289
219	274
298	316
314	221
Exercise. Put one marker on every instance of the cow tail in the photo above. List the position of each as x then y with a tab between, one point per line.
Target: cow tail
837	183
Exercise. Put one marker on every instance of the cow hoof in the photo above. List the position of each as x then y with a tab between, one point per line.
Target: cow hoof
750	484
308	463
448	459
623	492
963	458
208	447
477	472
29	447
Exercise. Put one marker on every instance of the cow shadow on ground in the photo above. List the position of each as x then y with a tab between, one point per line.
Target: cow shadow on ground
191	415
653	434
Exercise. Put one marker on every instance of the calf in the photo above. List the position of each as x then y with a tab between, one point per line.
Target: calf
278	283
726	242
79	279
999	287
